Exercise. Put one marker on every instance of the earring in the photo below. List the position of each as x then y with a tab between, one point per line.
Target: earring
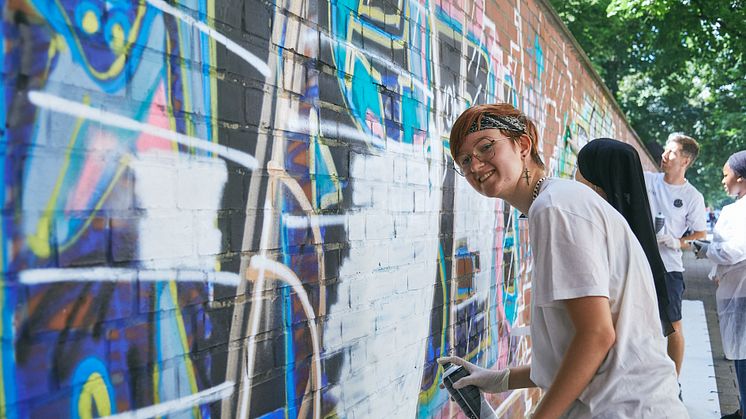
525	175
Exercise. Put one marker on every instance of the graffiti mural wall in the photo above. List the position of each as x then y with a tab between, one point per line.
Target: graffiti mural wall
219	208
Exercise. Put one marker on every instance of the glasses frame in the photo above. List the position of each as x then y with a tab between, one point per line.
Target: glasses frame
478	155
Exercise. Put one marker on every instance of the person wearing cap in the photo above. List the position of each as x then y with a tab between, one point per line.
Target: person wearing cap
727	252
595	352
683	207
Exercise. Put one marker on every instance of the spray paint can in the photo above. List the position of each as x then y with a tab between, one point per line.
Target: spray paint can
660	222
469	398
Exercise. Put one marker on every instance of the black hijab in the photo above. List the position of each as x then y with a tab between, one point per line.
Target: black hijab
615	167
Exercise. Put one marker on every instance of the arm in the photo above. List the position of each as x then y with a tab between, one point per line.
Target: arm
520	377
696	221
697	235
594	337
729	244
488	380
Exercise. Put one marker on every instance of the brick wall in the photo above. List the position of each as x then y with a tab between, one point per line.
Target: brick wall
236	208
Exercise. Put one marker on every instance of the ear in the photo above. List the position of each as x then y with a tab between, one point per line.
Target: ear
524	143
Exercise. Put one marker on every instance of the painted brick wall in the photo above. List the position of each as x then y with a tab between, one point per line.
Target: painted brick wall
227	208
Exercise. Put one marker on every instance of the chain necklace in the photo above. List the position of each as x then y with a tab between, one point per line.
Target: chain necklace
536	188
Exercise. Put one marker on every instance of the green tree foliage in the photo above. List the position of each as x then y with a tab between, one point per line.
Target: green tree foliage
673	65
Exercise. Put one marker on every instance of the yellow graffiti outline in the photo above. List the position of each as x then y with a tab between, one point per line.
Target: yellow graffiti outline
123	163
379	15
184	343
349	67
330	198
185	87
118	64
38	242
94	390
213	80
185	350
425	396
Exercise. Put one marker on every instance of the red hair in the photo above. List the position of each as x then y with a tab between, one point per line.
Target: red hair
474	113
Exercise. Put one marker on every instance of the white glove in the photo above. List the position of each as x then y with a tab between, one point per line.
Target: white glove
489	381
669	241
700	249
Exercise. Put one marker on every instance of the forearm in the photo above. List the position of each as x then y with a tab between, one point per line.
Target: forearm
726	253
580	363
520	377
697	235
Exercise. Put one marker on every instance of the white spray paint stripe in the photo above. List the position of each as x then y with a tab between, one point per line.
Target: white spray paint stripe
247	56
256	307
77	109
416	4
285	274
300	125
210	395
520	331
297	221
104	274
383	60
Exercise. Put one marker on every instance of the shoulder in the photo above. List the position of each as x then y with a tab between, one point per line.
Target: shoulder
560	193
651	176
563	199
694	193
734	208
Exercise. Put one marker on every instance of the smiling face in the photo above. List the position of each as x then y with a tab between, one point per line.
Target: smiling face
499	170
733	184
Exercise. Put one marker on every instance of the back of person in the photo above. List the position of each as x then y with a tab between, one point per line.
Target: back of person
637	379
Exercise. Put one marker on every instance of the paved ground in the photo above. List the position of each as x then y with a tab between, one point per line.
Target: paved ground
700	288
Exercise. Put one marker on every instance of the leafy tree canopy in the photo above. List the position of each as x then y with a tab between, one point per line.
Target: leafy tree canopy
672	65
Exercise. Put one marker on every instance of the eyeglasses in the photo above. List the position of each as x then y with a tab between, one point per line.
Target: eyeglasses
484	150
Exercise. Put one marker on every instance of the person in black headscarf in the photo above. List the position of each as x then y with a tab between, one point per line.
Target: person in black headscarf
613	169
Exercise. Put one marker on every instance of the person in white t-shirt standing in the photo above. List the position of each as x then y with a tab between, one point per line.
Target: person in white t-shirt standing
595	350
683	207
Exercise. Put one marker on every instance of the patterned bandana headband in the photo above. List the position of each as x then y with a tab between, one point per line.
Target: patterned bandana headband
492	121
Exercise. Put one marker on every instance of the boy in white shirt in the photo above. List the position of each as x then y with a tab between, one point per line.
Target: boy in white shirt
683	207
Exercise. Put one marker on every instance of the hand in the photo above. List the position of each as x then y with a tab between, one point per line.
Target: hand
700	249
669	241
489	381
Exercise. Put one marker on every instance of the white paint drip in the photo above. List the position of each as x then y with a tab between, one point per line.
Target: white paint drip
281	272
210	395
104	274
301	125
286	275
295	221
77	109
256	309
245	55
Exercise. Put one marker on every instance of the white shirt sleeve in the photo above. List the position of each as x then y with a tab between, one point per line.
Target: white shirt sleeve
571	256
729	244
696	219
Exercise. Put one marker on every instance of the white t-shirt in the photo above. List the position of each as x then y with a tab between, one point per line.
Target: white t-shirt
583	247
684	209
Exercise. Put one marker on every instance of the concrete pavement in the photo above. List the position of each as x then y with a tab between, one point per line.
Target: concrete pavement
700	288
